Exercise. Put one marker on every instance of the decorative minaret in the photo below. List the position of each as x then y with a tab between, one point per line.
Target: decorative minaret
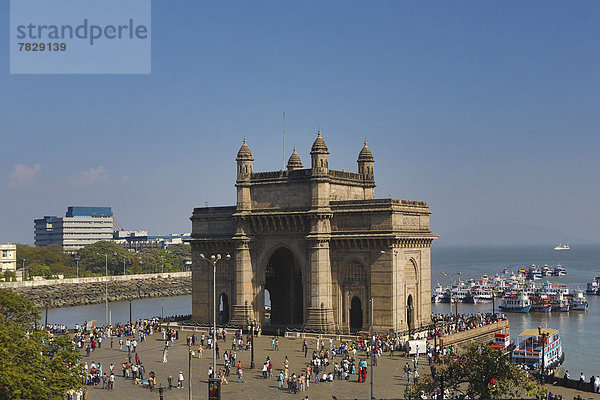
319	155
366	163
244	171
294	162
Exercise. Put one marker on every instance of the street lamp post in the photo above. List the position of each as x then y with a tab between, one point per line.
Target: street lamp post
544	335
23	272
105	283
372	348
451	284
77	263
123	265
252	324
214	258
190	373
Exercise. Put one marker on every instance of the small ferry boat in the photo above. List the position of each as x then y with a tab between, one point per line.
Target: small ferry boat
578	301
562	247
534	273
559	270
541	304
537	343
560	303
547	270
518	303
483	296
593	287
438	294
501	341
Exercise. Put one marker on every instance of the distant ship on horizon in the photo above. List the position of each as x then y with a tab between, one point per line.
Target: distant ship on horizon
562	247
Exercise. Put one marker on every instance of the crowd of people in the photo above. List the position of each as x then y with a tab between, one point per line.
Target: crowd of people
444	324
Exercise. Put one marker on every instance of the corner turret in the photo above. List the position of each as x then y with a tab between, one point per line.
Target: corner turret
366	162
244	162
319	155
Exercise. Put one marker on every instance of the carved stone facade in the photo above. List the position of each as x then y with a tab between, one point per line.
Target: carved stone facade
319	243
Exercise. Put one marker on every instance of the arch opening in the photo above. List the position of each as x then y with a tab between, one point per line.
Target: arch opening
284	285
223	309
410	313
356	313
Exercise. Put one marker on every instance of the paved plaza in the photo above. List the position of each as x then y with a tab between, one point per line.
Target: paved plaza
389	378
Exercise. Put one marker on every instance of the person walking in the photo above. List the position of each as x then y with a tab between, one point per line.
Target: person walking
180	380
240	373
280	380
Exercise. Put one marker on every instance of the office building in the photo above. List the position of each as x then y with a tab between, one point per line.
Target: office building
79	227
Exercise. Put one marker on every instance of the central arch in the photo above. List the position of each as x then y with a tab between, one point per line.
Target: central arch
284	283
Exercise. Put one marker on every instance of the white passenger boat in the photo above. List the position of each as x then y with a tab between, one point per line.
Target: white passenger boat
562	247
578	301
593	287
537	343
518	303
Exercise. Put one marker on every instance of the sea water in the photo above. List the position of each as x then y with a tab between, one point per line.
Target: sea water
578	329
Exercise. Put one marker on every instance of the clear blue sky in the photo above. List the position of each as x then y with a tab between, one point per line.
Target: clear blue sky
487	110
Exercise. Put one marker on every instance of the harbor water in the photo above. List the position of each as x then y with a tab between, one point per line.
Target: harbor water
577	328
119	311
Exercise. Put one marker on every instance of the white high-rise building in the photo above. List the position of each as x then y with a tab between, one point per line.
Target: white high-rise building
78	228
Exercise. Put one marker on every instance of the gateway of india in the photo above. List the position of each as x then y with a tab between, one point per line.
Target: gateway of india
318	245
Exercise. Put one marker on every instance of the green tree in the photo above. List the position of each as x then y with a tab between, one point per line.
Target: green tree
34	365
92	258
471	373
9	276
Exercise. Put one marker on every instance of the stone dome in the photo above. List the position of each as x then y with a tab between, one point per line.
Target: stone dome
365	154
319	146
244	153
294	162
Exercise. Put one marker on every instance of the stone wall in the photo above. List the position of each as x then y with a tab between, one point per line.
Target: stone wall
67	294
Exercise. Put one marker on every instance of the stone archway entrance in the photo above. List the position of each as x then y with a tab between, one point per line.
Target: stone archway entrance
284	283
410	312
356	314
223	309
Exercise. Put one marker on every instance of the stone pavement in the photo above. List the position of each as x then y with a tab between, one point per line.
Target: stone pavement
389	379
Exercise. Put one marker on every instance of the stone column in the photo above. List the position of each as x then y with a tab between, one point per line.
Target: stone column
242	308
320	312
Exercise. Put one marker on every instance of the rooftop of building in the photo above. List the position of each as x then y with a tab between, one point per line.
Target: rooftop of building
82	211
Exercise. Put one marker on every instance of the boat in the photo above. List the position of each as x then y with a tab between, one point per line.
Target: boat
438	294
534	273
501	342
578	302
482	296
593	287
518	303
560	303
559	270
547	270
562	247
539	347
541	304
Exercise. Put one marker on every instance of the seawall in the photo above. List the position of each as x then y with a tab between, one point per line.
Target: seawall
82	291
